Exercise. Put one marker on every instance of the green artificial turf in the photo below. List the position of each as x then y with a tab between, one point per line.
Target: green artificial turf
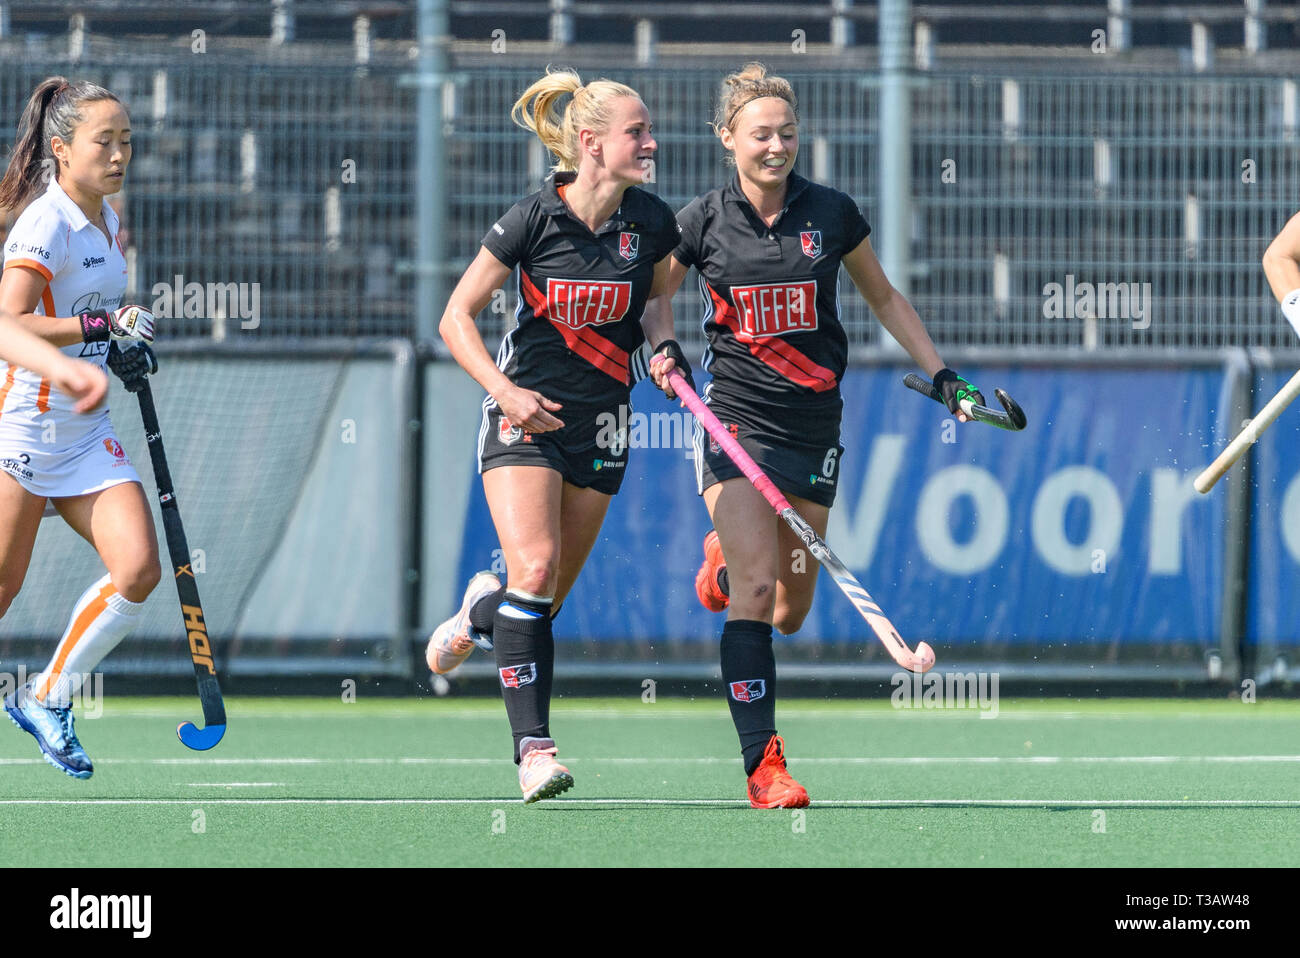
407	782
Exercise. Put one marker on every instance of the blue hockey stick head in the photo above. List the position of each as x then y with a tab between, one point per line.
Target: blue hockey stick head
199	739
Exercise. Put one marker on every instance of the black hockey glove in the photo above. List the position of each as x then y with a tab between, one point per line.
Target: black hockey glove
132	365
954	390
670	349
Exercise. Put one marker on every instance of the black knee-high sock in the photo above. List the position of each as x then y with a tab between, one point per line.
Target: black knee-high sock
749	672
483	613
525	653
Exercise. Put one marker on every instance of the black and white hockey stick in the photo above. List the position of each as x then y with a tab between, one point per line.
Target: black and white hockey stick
920	660
205	670
1013	419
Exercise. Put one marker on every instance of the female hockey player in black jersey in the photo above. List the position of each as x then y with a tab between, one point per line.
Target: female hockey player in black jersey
768	248
592	252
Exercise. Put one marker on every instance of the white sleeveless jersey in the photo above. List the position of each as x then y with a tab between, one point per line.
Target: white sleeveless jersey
84	270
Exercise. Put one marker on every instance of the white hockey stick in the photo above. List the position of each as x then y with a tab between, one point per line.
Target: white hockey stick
1215	470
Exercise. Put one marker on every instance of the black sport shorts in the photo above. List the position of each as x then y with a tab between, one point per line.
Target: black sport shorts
590	451
809	472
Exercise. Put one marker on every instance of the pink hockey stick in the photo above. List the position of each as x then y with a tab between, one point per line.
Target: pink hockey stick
919	661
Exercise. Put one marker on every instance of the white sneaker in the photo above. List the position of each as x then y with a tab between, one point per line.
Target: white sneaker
540	775
452	642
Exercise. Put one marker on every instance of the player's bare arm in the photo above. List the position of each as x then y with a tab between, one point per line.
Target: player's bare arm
1282	267
893	310
20	292
657	321
73	377
526	408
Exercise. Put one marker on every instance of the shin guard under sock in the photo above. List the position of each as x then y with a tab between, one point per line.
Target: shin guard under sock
525	655
749	674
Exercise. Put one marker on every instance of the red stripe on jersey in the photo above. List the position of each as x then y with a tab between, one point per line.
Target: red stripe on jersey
773	351
594	348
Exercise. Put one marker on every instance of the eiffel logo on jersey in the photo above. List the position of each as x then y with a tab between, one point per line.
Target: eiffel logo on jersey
811	240
628	244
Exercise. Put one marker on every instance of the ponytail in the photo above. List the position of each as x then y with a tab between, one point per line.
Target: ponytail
54	109
538	110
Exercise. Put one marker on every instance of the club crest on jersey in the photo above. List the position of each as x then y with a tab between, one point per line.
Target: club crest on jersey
733	429
811	241
750	690
514	676
507	433
114	447
628	243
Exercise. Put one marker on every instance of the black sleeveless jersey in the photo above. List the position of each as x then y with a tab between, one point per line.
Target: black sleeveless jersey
772	318
581	294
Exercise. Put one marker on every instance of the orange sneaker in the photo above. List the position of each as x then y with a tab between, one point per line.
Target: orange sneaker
706	580
771	786
540	775
451	642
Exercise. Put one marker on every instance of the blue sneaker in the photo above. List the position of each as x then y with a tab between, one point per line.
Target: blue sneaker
52	729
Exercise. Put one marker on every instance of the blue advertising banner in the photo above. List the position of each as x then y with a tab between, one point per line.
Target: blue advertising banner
1273	611
1082	530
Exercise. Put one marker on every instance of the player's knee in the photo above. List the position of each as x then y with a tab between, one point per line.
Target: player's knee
788	618
538	576
136	584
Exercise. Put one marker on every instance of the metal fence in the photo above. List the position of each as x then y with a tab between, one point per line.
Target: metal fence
1098	211
1148	201
292	182
1168	188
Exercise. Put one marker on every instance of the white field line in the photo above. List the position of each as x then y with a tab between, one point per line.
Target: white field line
441	713
721	802
717	760
235	784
